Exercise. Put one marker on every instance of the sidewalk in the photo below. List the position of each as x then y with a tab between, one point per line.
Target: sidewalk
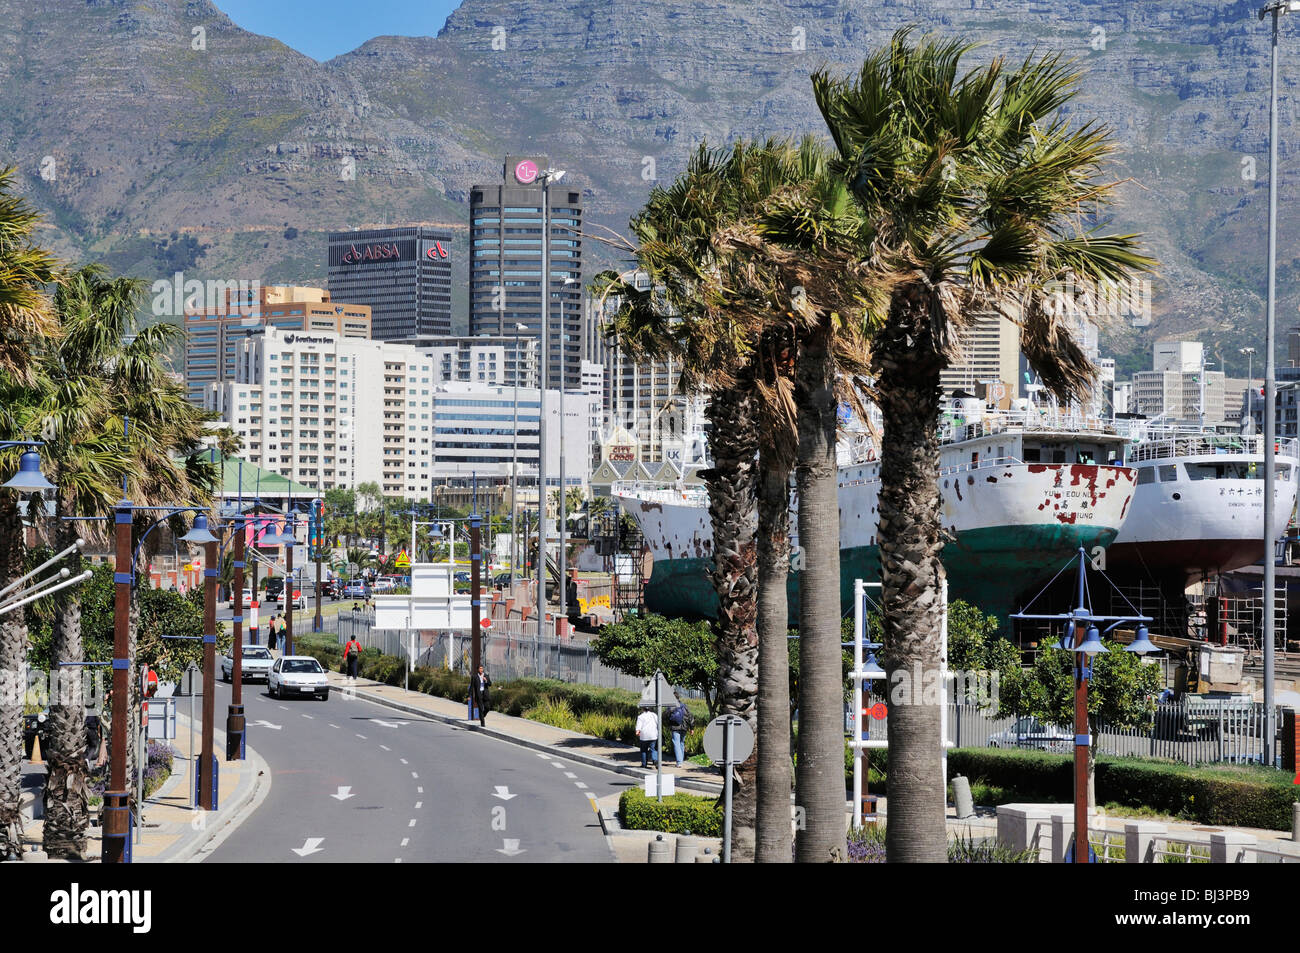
596	752
172	831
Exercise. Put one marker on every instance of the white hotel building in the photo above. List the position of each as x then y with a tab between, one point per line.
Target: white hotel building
328	411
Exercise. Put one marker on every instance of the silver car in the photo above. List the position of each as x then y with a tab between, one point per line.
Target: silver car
256	663
1032	733
298	675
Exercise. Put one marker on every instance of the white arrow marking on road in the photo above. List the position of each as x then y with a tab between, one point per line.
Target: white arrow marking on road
503	792
267	724
389	724
511	848
310	846
344	794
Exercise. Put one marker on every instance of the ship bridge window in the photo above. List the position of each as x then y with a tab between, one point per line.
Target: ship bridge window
1234	470
1031	455
1058	456
1146	475
1168	474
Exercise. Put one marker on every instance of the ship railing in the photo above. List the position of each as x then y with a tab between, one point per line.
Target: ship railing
1025	421
983	463
1166	446
656	492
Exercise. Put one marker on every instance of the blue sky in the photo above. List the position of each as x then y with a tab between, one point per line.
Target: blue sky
323	29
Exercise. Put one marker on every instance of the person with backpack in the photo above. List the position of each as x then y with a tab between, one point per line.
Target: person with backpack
680	721
352	652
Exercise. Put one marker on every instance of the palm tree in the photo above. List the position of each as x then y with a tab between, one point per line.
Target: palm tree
98	374
797	256
977	190
26	319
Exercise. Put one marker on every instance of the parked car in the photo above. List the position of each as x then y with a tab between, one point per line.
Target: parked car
299	600
501	580
297	675
1031	733
255	663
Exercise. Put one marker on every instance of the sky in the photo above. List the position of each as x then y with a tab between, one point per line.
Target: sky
322	29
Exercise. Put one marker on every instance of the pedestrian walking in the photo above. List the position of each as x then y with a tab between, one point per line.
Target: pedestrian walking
680	721
478	687
352	652
647	734
271	633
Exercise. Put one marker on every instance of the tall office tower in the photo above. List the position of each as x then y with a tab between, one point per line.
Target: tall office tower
213	333
403	274
505	263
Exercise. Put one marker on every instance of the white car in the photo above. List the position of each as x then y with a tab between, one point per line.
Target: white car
256	663
297	675
384	585
299	600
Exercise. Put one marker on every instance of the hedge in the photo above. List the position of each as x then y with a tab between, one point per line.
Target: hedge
676	814
1228	795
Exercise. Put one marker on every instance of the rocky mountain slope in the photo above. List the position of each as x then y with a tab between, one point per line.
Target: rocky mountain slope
134	122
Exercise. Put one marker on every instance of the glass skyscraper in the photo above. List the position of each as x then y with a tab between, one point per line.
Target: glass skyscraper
403	274
505	263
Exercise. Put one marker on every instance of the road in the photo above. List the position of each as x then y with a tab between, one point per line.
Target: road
354	781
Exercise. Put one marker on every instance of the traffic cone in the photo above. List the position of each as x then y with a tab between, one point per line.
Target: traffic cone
36	750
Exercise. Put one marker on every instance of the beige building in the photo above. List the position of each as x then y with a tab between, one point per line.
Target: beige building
214	331
990	352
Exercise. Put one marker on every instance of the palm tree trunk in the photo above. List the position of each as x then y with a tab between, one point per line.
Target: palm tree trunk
731	508
912	577
775	777
819	780
67	806
13	663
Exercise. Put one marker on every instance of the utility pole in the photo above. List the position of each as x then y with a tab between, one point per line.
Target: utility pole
207	761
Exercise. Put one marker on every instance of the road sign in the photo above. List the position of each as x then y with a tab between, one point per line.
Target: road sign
667	698
192	681
485	622
742	739
403	560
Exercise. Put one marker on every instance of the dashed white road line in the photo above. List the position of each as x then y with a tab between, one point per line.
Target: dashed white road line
332	725
312	717
285	707
403	760
414	775
405	841
412	824
419	789
386	748
580	785
542	755
569	774
419	804
362	737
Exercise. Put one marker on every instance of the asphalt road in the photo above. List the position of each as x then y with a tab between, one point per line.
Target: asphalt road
356	782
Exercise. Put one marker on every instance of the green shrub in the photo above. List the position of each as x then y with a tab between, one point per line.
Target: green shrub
609	727
553	711
1229	795
676	814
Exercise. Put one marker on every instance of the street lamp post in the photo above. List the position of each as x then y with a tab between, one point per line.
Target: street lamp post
569	280
207	784
1277	8
548	176
514	466
1083	639
1250	378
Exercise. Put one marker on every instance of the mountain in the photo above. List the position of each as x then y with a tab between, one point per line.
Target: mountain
171	139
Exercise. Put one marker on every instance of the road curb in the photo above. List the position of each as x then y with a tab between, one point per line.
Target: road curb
693	784
228	817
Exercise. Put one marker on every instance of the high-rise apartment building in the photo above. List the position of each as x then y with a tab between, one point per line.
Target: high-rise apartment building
990	355
329	411
403	274
508	234
214	334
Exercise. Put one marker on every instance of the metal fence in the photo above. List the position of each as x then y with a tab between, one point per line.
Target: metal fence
511	649
1205	733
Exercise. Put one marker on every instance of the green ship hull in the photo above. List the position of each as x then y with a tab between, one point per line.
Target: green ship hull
990	568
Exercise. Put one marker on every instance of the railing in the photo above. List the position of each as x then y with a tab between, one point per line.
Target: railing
1206	733
1163	445
1180	850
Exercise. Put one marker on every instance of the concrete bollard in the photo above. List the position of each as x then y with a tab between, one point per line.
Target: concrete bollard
1295	821
706	857
659	853
687	850
961	796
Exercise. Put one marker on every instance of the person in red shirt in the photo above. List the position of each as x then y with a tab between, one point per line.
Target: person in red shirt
352	652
